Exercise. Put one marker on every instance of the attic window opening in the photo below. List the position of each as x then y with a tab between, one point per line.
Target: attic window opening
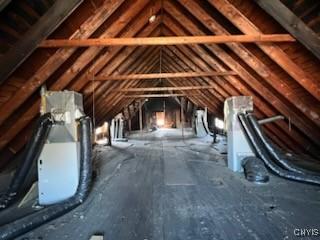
218	123
160	116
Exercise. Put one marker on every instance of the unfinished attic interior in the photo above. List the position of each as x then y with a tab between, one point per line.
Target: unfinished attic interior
159	119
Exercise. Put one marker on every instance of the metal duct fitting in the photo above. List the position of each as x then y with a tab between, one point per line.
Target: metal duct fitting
271	119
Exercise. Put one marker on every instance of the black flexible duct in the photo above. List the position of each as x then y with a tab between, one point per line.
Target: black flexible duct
206	128
262	153
201	124
31	154
276	154
26	224
195	126
255	170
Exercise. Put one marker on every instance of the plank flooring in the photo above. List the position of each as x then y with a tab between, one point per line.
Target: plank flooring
160	186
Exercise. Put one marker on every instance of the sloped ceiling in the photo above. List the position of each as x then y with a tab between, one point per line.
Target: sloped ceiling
283	78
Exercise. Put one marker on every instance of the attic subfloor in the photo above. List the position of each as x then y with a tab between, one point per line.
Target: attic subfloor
158	186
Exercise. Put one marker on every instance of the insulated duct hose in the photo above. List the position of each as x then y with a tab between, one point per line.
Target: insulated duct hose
200	129
206	128
275	153
261	152
204	125
31	154
255	170
28	223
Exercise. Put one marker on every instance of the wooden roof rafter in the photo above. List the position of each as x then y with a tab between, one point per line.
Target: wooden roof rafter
235	82
292	94
292	24
202	99
243	73
275	82
273	51
113	53
56	60
277	131
210	95
143	61
101	14
40	31
134	62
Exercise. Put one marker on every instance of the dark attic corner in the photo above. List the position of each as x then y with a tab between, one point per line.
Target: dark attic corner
159	119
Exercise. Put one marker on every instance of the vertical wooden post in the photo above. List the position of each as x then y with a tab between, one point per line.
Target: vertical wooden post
205	118
206	113
194	111
140	115
164	112
214	129
109	133
129	125
178	119
182	116
129	119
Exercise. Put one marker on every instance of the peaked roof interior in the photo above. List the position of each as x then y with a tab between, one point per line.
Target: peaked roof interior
282	77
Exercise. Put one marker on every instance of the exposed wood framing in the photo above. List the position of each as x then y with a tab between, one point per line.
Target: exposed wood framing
157	95
272	50
41	30
235	82
219	90
140	116
162	75
214	71
263	70
56	60
164	88
139	60
131	64
54	43
292	24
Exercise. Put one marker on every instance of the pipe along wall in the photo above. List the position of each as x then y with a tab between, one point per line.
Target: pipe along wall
27	223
